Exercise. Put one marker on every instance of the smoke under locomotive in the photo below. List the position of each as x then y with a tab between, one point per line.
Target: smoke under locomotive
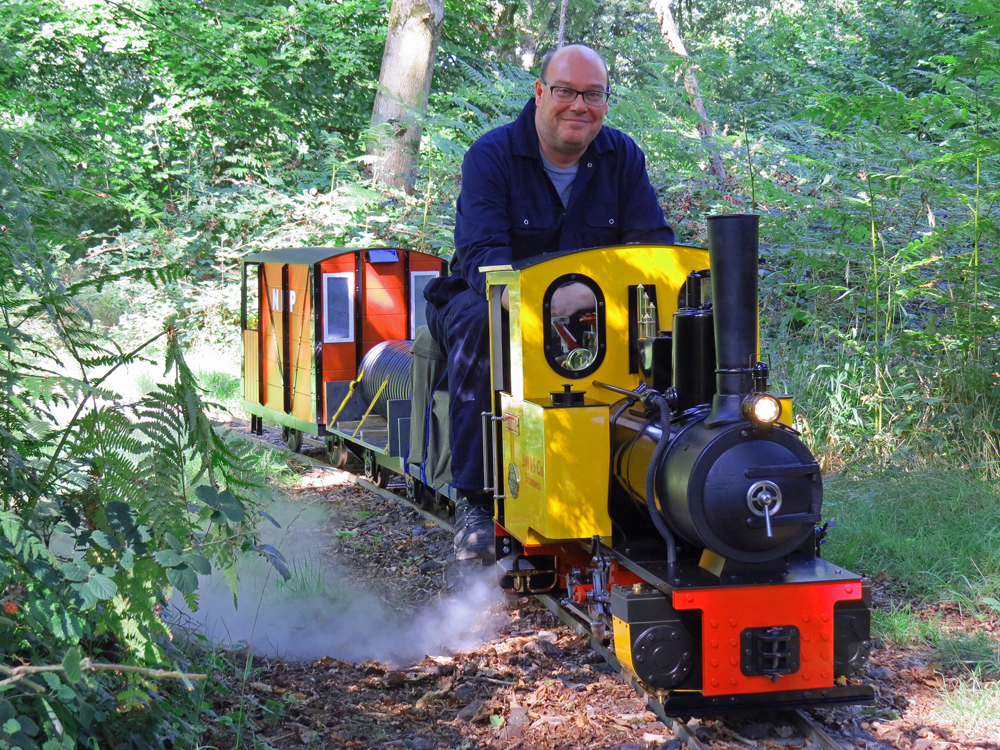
651	475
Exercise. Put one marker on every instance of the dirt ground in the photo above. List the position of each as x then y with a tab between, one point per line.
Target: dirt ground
531	683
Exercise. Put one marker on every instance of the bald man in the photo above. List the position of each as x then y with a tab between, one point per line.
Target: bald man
554	179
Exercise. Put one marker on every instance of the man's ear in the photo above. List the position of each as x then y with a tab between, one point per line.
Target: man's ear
538	91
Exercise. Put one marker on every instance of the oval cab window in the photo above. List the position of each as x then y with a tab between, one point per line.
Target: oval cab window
573	317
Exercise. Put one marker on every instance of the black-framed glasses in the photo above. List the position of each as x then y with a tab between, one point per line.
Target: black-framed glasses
565	95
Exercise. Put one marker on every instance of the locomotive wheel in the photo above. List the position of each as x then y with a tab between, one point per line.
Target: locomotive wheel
337	453
374	473
293	438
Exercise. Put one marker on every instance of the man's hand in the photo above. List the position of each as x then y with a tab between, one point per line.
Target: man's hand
569	298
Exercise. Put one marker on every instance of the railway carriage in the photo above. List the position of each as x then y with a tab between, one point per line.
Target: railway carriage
644	472
310	317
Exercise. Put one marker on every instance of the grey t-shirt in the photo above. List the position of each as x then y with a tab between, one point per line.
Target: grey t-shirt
561	178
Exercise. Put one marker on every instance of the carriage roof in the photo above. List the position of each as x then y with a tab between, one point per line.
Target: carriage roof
305	255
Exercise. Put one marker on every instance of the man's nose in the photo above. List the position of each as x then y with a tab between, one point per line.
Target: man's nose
578	104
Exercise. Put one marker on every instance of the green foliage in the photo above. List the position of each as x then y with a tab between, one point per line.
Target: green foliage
105	506
903	522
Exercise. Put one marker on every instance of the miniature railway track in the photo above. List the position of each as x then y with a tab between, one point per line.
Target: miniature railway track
810	730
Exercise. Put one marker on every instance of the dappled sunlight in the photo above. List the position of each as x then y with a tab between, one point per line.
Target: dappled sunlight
318	479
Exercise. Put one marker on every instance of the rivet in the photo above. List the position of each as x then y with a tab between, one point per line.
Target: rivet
825	636
824	617
732	623
849	589
733	662
689	597
715	682
715	662
733	680
824	674
733	642
805	618
805	677
715	644
805	637
806	657
824	655
714	623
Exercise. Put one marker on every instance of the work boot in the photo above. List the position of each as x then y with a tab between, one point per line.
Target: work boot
475	537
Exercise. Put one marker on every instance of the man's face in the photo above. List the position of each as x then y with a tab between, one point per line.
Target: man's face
568	129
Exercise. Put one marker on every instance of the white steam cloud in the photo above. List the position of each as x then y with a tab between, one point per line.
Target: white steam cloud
320	612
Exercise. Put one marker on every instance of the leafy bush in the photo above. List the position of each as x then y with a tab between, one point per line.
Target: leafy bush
105	508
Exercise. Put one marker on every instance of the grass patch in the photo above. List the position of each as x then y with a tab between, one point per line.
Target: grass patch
308	579
222	387
973	705
900	626
933	531
977	653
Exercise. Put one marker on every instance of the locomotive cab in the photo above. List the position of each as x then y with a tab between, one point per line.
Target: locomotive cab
551	434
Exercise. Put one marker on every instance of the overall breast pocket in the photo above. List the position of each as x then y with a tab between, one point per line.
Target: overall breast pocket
602	224
532	229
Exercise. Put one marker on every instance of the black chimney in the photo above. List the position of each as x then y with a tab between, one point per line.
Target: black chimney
733	251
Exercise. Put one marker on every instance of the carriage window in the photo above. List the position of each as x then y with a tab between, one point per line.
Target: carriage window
383	255
573	317
418	305
338	307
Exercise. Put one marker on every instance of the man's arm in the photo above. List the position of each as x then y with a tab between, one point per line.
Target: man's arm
482	225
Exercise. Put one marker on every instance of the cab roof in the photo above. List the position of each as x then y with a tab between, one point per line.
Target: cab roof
534	260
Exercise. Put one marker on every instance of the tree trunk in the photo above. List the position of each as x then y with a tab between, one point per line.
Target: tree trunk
562	24
673	37
403	86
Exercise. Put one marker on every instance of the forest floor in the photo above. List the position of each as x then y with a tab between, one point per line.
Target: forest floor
526	681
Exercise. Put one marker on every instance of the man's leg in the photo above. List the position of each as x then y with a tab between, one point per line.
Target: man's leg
462	329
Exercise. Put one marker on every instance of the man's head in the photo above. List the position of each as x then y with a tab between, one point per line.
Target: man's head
566	129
